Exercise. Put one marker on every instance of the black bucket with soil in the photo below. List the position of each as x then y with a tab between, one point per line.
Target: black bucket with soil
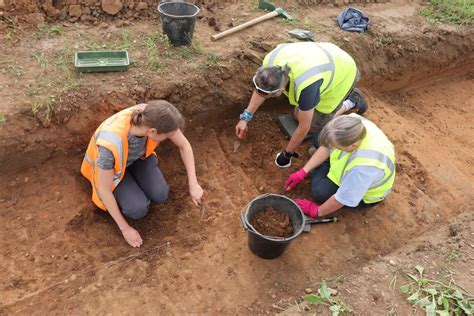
272	222
177	20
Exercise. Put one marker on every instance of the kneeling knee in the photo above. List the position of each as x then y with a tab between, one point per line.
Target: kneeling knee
318	195
161	195
137	211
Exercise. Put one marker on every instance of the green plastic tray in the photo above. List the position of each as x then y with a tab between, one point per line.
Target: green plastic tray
102	61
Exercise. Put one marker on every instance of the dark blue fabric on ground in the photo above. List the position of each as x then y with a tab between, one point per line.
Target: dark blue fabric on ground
353	20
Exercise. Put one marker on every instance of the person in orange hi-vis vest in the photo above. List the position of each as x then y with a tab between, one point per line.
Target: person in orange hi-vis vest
121	164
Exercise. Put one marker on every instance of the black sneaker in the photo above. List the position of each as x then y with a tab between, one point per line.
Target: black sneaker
356	97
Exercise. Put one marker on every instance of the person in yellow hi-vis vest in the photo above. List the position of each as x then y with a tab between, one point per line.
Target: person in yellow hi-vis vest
360	171
121	164
316	78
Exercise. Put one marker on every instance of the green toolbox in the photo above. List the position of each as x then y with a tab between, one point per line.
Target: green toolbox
102	61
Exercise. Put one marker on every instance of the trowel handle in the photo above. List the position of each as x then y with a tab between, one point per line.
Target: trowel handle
321	221
245	25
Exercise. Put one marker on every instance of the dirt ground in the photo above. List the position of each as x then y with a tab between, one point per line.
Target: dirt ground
61	255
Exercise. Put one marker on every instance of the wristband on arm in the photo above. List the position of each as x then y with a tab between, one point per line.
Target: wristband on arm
246	116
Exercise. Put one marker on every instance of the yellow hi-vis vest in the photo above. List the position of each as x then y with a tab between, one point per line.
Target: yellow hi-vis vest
375	150
310	62
113	135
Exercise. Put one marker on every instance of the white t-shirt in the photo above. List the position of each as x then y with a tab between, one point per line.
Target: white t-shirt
356	183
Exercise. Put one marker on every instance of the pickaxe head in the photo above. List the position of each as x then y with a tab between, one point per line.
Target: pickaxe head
271	7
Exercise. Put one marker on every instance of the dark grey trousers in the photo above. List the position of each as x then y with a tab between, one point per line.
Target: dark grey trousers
143	182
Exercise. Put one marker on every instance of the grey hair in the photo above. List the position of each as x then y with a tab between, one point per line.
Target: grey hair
270	78
344	131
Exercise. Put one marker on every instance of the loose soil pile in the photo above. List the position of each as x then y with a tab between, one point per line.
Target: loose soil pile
271	222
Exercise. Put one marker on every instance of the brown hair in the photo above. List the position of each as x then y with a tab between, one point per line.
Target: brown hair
159	114
344	131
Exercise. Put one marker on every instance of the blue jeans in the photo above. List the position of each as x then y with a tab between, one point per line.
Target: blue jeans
143	182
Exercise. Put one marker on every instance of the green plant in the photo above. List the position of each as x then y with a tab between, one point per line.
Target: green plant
384	40
211	58
14	70
126	41
307	23
152	55
51	31
97	46
437	298
44	106
40	59
325	298
186	53
459	12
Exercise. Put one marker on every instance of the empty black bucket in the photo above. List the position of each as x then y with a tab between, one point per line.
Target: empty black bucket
177	20
268	247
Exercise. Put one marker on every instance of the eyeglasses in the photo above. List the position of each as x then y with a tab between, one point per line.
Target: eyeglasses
262	91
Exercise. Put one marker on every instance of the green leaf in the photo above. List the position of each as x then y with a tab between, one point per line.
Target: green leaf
431	291
420	269
457	294
335	310
443	313
413	277
413	298
439	301
314	299
324	290
423	302
445	303
405	288
431	308
466	307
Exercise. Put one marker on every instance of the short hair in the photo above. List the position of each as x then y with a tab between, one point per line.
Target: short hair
270	78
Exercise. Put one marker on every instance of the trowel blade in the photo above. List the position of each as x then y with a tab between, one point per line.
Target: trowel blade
236	146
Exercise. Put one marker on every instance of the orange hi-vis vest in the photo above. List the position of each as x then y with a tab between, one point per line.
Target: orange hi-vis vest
113	135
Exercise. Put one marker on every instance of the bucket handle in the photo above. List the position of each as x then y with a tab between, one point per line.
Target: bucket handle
242	215
249	227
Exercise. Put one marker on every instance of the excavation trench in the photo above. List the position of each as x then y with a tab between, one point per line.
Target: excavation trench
63	245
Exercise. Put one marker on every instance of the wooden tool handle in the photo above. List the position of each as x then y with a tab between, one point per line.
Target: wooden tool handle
245	25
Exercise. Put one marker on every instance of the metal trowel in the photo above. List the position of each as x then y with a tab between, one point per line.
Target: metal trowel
302	34
236	145
308	222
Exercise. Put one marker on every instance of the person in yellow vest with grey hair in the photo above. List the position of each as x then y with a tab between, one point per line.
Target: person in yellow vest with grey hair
316	78
354	166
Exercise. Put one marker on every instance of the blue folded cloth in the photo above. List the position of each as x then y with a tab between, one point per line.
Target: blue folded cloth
353	20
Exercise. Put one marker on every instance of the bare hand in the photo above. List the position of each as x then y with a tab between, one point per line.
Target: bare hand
132	237
196	193
241	129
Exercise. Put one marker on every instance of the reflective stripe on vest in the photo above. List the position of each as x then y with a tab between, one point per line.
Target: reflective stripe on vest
314	71
274	54
371	154
317	70
117	141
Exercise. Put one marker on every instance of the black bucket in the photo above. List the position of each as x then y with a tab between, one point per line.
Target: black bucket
177	20
268	247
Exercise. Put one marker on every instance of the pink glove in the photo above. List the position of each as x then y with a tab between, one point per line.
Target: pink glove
295	178
308	207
